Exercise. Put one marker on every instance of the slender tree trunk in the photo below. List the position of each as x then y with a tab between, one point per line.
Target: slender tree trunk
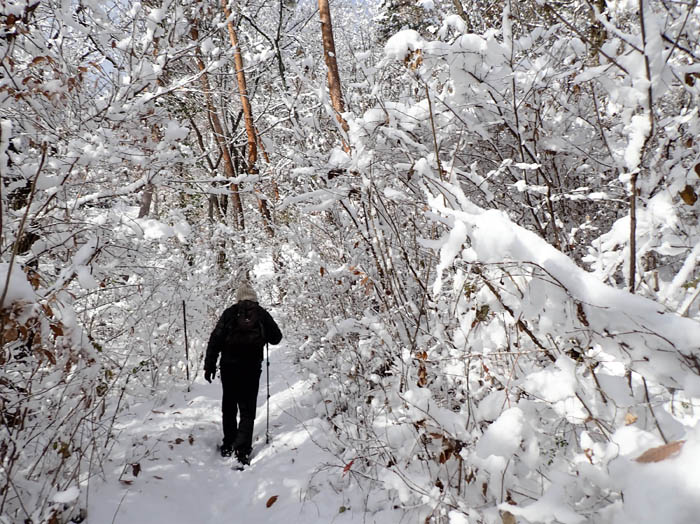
332	65
633	233
242	90
220	137
598	31
647	138
251	132
146	199
149	189
462	14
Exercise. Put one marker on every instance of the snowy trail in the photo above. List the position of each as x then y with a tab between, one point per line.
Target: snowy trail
167	469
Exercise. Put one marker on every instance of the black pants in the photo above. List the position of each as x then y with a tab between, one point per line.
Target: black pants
240	395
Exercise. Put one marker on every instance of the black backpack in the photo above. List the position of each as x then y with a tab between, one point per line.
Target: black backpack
246	325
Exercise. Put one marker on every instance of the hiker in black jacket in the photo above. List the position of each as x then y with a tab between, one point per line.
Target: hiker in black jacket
240	335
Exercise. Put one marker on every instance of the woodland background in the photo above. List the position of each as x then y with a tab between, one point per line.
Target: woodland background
480	218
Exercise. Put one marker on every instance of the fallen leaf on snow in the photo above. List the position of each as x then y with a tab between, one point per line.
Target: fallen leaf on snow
660	453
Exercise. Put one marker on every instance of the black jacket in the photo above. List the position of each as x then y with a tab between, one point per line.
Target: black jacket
236	351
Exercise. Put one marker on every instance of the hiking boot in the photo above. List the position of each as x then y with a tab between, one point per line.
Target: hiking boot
226	450
243	458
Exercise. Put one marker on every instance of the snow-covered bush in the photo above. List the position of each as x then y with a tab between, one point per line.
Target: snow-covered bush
471	366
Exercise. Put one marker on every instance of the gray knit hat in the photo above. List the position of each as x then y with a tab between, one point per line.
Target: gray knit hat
246	292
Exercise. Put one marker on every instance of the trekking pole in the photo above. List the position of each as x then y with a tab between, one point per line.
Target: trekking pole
187	349
267	430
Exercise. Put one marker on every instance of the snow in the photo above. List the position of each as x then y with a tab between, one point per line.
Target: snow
538	384
399	45
182	479
87	281
152	229
546	509
503	437
18	288
639	130
67	496
555	383
174	131
494	238
665	491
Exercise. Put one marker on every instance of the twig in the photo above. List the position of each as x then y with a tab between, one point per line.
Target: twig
656	420
20	231
187	349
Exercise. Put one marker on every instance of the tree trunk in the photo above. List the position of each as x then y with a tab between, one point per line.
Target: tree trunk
242	90
146	199
219	136
633	234
332	65
598	33
251	132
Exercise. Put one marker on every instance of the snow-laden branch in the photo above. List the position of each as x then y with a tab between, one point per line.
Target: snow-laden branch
653	341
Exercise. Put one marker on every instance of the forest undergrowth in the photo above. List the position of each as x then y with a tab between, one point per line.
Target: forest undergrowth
482	218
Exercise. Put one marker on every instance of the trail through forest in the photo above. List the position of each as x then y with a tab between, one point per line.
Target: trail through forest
166	467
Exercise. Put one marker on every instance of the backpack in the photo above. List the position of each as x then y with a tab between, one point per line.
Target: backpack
246	325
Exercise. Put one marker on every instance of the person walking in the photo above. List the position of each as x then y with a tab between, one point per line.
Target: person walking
239	337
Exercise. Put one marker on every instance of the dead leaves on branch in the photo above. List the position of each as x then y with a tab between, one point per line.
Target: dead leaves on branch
32	329
689	195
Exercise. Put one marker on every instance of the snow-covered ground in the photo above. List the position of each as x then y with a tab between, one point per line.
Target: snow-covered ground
166	467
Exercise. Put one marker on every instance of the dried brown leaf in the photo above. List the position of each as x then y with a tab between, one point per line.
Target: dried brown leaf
688	195
271	501
508	518
422	375
660	453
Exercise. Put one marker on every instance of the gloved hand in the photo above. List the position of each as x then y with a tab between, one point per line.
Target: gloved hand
209	374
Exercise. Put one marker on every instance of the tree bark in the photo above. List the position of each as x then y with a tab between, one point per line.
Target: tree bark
332	65
146	199
633	234
219	136
598	32
242	90
251	132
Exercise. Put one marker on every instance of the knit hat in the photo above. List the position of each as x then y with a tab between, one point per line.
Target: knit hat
246	292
